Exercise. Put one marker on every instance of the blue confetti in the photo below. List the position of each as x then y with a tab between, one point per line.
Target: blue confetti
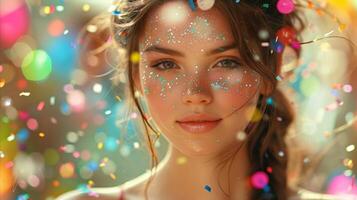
208	188
192	5
270	101
22	135
116	12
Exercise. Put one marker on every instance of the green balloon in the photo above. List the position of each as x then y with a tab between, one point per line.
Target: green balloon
36	66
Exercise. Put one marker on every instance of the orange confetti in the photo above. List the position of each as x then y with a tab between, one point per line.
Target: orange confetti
310	4
55	183
319	11
2	83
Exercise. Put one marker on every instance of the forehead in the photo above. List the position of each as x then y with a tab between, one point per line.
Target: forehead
175	24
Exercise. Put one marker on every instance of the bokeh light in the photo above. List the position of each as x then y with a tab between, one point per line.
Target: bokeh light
37	65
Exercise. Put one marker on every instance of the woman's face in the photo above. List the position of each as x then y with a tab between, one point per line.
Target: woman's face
190	65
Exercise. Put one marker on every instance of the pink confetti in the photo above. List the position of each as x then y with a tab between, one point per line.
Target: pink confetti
9	164
347	88
41	105
23	115
32	124
285	6
76	154
334	105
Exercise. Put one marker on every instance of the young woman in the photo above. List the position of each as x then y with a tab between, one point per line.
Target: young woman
207	81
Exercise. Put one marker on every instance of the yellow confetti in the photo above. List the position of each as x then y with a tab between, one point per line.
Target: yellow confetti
135	57
112	176
348	163
90	183
118	98
86	7
253	113
341	27
47	10
41	134
181	160
100	145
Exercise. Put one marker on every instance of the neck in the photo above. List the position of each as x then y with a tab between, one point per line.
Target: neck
204	177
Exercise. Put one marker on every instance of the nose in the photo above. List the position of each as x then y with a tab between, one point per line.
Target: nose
195	94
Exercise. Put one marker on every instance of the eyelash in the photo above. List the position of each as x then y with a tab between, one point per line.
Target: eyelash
236	63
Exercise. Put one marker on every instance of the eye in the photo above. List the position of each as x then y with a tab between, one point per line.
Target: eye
164	65
229	63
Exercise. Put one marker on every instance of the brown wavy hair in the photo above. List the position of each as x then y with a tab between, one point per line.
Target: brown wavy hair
266	144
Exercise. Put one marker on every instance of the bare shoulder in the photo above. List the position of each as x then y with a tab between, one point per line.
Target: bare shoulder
304	194
107	193
132	190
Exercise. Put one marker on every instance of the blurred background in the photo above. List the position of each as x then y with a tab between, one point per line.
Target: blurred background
63	106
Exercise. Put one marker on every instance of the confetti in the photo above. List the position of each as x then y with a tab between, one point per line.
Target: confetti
259	179
113	176
350	148
40	106
32	124
135	57
97	88
205	4
116	12
207	188
52	100
56	27
25	94
11	137
66	170
181	160
241	135
41	134
192	5
285	6
86	7
347	88
2	82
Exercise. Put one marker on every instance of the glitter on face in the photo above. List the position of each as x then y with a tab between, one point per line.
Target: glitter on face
201	28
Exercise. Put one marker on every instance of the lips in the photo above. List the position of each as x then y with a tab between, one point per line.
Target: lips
199	118
199	123
199	127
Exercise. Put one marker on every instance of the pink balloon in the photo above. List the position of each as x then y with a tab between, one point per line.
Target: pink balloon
13	25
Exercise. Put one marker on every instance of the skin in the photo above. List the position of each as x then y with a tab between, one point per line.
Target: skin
195	80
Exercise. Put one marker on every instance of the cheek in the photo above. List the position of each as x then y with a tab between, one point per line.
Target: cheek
157	90
235	89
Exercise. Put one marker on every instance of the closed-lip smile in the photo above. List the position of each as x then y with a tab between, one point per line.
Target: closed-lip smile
198	123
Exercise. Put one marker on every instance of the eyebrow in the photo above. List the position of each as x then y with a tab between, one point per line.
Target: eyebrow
156	48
